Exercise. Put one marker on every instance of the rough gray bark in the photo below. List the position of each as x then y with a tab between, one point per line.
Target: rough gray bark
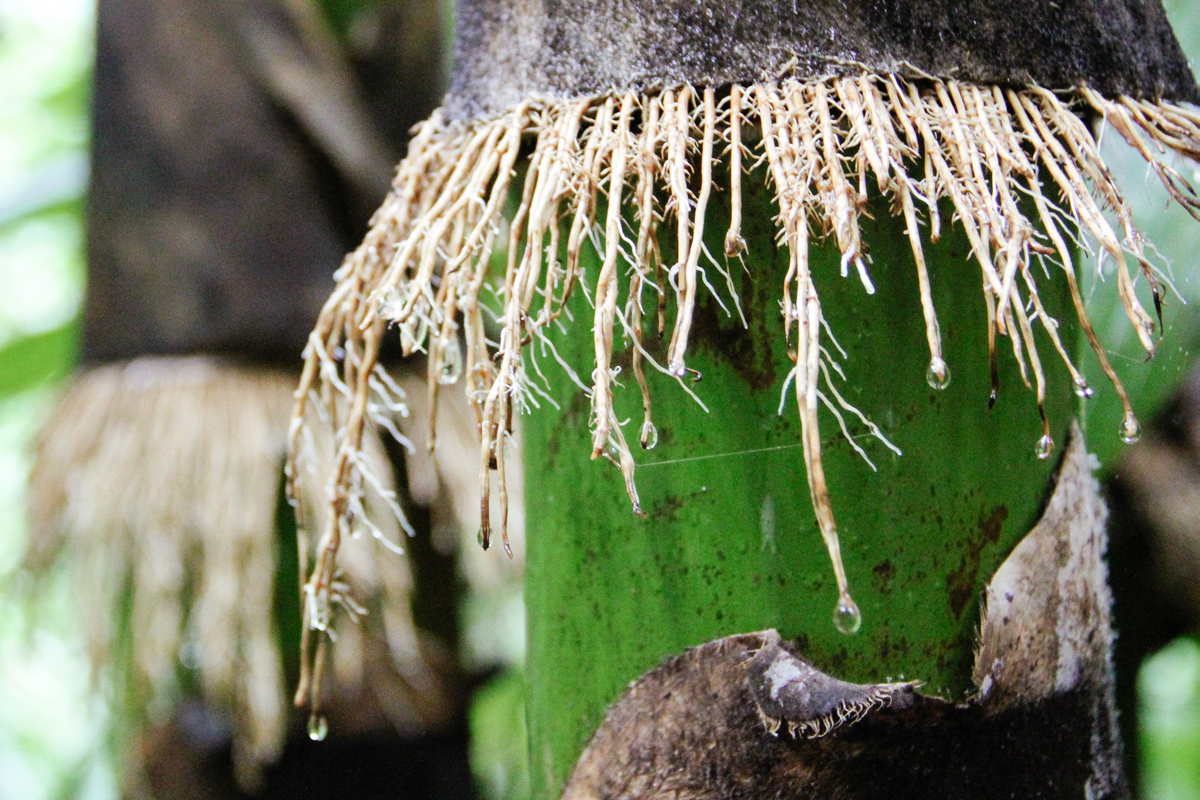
513	50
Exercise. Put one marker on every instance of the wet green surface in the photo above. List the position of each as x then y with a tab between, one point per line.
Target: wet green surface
730	543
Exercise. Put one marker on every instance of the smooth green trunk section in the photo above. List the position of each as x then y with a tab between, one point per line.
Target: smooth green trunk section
731	543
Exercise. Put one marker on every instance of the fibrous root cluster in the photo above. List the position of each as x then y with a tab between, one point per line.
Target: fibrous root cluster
634	174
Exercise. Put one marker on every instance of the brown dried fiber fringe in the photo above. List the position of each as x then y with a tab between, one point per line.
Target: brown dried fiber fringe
159	479
991	152
147	473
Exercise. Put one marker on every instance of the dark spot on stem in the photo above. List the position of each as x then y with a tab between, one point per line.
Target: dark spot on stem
667	509
724	338
960	584
884	572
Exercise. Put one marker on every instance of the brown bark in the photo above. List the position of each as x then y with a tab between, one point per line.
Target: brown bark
236	156
510	50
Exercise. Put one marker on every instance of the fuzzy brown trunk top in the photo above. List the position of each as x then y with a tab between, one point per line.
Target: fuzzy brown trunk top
512	50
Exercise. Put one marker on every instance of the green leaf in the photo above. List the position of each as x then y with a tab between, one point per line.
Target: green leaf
34	360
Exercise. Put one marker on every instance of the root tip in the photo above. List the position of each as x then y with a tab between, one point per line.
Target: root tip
735	245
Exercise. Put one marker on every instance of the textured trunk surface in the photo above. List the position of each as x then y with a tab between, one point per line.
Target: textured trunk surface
730	543
512	50
233	162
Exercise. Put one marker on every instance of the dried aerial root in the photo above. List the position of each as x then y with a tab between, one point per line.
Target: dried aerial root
429	255
157	481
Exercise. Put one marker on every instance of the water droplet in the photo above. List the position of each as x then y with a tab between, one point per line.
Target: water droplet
318	611
846	617
938	375
390	304
1083	390
318	727
1045	447
649	436
1130	430
452	361
735	245
189	654
479	536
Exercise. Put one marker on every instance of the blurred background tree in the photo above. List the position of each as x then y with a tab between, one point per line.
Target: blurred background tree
239	150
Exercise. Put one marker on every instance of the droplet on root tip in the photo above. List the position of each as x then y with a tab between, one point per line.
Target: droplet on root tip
1083	390
1130	430
735	245
318	727
452	361
1045	447
938	375
846	617
648	436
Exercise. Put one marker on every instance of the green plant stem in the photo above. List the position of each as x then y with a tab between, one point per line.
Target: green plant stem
730	543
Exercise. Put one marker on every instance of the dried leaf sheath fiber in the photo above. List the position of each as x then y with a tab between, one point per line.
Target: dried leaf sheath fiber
127	485
157	483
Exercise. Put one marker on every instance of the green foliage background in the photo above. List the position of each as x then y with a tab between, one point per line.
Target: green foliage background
53	731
